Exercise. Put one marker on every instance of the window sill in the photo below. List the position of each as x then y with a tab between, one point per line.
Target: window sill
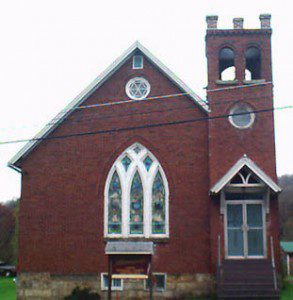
254	81
163	239
226	82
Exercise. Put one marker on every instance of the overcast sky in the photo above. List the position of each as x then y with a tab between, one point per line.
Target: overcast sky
51	50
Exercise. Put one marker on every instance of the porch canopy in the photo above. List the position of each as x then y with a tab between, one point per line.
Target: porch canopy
245	192
287	247
245	162
134	248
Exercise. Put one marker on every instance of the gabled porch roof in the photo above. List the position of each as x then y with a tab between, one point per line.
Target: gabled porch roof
245	161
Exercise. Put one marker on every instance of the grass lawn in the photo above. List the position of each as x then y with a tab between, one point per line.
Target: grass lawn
7	289
287	292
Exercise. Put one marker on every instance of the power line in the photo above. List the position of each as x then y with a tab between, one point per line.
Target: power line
240	86
206	102
143	126
105	104
89	118
126	101
135	100
92	116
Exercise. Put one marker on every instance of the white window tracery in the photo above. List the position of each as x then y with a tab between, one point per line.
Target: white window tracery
245	177
137	88
136	196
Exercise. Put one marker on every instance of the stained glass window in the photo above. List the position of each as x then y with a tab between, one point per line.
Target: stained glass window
144	206
136	205
126	162
137	149
148	162
158	205
114	205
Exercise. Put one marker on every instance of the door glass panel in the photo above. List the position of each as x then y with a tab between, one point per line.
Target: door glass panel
255	230
235	216
235	242
254	215
235	233
255	242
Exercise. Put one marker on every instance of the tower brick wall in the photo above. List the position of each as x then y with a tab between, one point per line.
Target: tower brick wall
227	144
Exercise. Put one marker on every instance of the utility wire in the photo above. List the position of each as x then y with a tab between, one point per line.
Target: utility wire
62	113
240	86
93	116
142	126
125	101
89	118
96	117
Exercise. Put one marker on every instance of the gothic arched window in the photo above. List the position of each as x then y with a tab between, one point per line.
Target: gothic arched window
136	196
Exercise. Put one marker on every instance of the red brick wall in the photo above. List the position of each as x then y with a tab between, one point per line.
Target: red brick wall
62	205
228	144
62	202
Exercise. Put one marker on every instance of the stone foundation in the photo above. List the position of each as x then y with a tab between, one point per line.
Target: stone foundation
35	286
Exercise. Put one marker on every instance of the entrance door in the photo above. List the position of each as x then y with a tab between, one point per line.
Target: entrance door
244	229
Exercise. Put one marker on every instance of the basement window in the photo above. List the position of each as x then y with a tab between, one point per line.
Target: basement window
117	284
159	282
137	62
227	71
253	64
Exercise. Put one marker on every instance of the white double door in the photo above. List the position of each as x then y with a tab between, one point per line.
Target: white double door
245	229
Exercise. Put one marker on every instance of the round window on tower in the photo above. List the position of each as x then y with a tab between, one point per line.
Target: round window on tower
137	88
241	116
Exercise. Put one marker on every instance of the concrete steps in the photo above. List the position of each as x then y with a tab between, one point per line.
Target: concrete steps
246	279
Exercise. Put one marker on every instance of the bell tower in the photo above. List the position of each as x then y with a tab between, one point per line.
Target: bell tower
240	95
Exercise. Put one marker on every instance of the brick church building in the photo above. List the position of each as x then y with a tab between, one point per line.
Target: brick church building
171	195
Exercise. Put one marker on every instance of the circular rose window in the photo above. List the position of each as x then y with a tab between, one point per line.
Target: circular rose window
241	116
137	88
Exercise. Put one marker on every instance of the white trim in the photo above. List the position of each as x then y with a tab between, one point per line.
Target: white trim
156	289
113	288
133	59
244	161
222	202
267	200
147	179
288	265
28	147
129	253
129	276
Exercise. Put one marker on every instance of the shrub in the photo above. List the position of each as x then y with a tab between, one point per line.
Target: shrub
82	294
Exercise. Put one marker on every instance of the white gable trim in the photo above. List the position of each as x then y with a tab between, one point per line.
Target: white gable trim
244	161
94	86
